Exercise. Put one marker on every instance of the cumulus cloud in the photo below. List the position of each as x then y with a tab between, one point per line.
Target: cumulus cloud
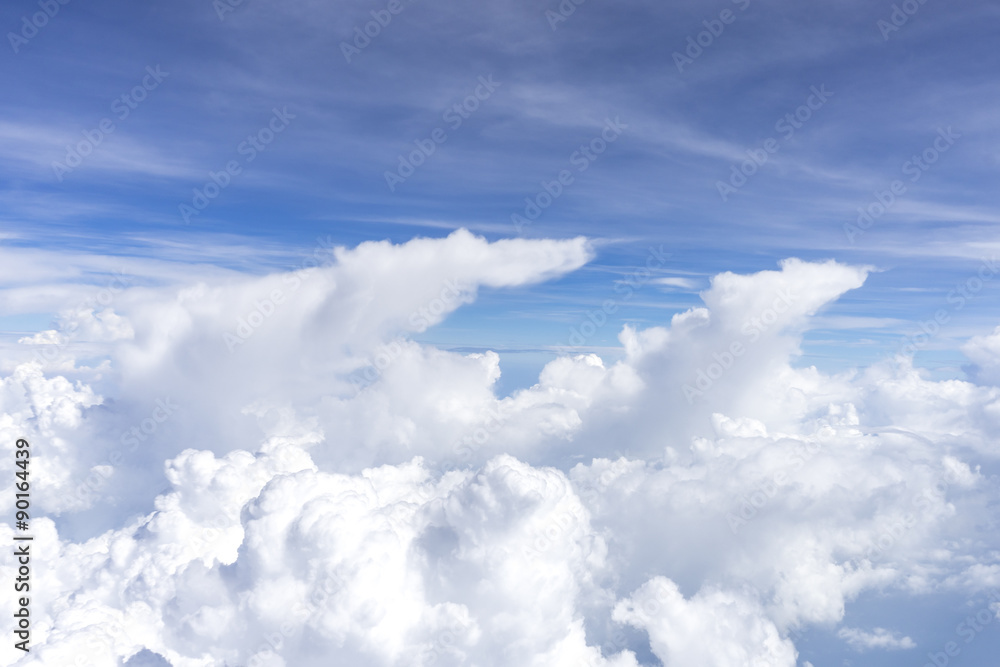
48	337
95	325
984	353
270	471
714	628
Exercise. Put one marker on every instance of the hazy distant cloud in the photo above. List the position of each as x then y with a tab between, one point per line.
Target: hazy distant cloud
683	283
879	638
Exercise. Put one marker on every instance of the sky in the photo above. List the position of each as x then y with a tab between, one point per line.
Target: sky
444	277
685	125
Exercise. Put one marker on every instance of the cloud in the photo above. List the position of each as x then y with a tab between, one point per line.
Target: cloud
878	638
984	353
715	628
682	283
48	337
326	488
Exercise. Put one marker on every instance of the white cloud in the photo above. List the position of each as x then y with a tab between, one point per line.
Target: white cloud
878	638
675	281
48	337
714	628
984	352
248	503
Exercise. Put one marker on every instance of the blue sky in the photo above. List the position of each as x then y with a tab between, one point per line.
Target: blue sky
207	146
223	73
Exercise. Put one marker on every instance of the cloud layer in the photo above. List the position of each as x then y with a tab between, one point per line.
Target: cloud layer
270	471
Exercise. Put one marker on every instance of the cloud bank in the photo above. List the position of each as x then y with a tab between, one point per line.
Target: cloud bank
269	471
